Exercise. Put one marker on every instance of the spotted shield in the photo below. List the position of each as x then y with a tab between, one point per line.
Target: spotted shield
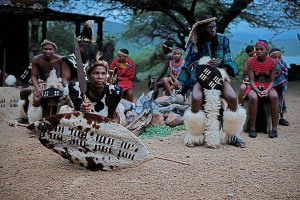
91	140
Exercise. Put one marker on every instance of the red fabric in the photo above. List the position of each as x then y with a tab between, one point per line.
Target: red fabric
264	85
126	72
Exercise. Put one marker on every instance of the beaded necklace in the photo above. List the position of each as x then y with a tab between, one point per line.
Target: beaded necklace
175	67
123	65
261	67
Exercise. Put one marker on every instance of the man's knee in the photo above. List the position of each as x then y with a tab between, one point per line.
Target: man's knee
24	94
231	99
36	101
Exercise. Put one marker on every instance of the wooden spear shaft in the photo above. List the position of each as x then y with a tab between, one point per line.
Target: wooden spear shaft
171	160
4	67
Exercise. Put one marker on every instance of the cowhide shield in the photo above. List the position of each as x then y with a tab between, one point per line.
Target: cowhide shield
209	77
9	97
52	92
25	77
92	141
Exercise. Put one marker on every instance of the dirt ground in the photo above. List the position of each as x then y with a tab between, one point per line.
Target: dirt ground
266	169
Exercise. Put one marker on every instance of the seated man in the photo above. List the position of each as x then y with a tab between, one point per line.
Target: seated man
214	50
101	98
43	66
167	48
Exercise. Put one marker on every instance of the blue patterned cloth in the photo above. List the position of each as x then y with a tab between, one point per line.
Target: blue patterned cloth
280	83
187	74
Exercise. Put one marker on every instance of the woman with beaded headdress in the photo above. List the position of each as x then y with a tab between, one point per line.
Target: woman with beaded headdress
170	83
262	72
206	46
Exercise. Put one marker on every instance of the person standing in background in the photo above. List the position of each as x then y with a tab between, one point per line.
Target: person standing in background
280	84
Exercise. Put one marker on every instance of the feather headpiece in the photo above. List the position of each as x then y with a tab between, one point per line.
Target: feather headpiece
86	34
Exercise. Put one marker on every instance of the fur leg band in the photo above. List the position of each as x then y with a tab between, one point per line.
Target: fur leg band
233	122
65	109
212	107
195	125
22	112
34	113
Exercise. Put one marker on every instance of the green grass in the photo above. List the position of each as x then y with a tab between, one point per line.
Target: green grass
160	131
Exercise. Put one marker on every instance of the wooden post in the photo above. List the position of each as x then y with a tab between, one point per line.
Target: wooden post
100	33
4	67
35	36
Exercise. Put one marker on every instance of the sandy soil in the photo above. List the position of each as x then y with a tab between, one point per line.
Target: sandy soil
266	169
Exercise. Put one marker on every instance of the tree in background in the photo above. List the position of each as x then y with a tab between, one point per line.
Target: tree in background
173	19
62	33
146	21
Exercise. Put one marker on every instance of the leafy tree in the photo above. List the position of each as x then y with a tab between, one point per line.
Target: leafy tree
61	33
146	20
173	18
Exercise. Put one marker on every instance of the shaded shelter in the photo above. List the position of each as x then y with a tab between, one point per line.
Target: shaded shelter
20	22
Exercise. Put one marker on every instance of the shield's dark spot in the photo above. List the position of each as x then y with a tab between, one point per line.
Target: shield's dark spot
92	165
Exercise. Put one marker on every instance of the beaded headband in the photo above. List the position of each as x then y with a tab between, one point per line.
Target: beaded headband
122	53
177	49
262	43
194	35
275	52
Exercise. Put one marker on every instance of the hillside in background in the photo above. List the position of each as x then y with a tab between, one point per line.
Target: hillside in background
239	40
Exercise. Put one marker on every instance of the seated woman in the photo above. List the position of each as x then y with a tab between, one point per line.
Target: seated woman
250	50
170	83
126	71
262	72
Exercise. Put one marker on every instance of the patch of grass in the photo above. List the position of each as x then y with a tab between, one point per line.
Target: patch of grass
160	130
